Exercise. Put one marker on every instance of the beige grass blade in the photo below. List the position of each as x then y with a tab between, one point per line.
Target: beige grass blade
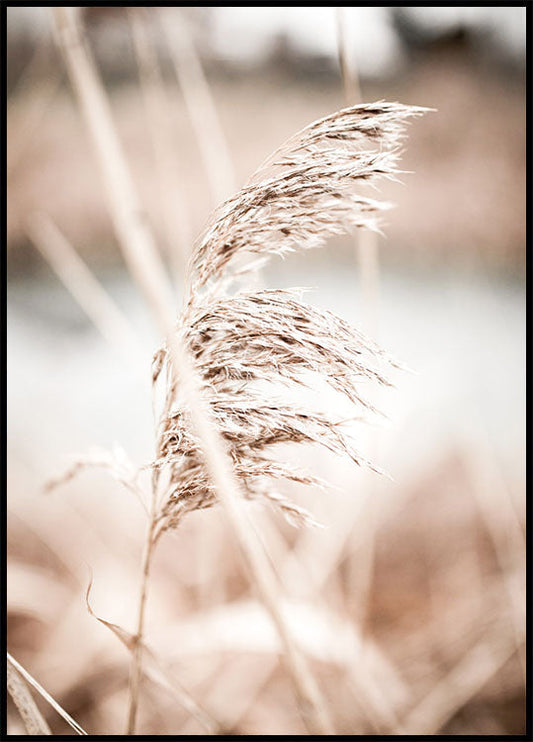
55	705
361	564
29	103
156	670
345	46
201	107
23	700
116	463
226	682
458	686
143	260
240	628
178	230
81	283
503	527
133	235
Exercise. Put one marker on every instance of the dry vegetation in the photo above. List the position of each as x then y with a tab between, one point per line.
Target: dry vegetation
404	614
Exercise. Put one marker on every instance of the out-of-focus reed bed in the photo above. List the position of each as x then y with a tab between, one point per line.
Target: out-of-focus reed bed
440	650
408	606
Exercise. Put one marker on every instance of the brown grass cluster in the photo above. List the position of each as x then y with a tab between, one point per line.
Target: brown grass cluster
406	616
303	193
246	343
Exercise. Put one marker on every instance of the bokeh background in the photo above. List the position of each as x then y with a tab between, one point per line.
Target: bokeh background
410	600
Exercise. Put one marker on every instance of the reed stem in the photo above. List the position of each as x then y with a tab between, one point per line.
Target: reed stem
23	700
136	663
146	268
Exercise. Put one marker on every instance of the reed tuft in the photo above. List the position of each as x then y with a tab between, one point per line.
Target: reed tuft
245	342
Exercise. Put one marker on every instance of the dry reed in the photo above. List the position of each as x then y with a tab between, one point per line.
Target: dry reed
82	284
360	565
201	107
158	109
143	261
23	700
301	195
26	705
485	659
298	198
438	644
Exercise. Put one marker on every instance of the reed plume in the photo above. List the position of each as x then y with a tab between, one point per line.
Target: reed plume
245	342
241	340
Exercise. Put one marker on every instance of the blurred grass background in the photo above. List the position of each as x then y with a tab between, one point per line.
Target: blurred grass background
412	596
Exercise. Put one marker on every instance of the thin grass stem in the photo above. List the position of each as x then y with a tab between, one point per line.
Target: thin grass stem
12	662
136	669
142	258
81	282
457	687
361	565
23	700
204	117
177	225
367	242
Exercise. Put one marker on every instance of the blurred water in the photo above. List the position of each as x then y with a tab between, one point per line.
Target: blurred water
465	338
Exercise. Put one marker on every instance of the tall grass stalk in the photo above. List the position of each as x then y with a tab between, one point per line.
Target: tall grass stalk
159	672
178	230
82	284
452	691
501	523
348	66
25	112
367	242
361	564
146	268
23	700
25	703
200	105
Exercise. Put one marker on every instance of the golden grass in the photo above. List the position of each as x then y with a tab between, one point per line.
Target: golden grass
226	345
35	724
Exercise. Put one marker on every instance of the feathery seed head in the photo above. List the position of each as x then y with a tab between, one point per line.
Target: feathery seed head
299	197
